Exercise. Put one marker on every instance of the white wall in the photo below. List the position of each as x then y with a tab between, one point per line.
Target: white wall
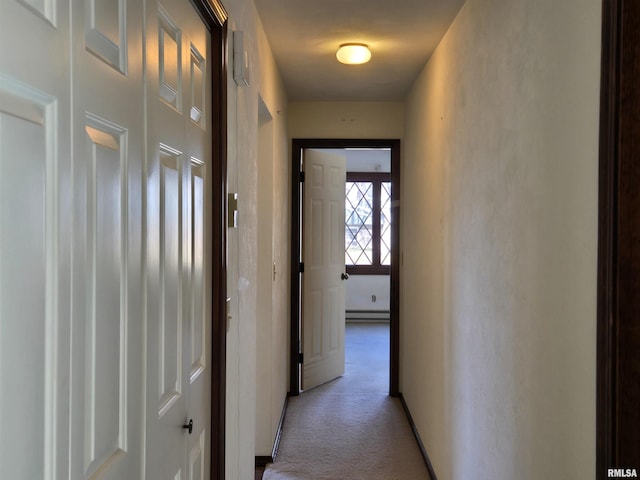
247	257
367	160
360	289
499	229
278	266
264	318
346	120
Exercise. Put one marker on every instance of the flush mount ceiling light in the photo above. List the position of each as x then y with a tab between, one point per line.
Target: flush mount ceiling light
353	53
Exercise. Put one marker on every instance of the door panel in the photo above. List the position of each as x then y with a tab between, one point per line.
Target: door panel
26	284
171	288
105	347
323	253
34	226
108	136
178	225
198	344
105	32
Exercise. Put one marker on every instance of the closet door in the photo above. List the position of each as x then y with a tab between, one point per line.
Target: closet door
105	234
178	338
107	310
35	227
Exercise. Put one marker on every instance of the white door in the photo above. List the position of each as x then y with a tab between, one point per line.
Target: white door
35	202
71	142
77	176
106	334
323	305
178	228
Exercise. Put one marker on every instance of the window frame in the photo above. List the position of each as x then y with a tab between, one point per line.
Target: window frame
376	268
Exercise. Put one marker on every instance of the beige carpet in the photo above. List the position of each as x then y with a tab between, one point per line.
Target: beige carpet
348	429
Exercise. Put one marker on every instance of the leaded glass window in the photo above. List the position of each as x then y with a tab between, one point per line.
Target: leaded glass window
385	223
368	223
359	223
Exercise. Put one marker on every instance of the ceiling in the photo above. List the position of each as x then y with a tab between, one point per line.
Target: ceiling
305	35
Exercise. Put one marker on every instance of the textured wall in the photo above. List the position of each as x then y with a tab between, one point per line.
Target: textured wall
499	234
346	120
243	255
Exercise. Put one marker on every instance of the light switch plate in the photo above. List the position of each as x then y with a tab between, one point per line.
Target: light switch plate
232	209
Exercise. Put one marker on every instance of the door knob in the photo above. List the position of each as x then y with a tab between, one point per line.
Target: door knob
344	276
189	426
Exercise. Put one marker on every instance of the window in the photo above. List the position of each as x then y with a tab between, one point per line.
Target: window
368	223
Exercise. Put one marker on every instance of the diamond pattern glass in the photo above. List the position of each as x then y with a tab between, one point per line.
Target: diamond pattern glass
385	224
359	223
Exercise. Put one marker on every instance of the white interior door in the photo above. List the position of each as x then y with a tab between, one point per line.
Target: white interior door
70	170
323	305
83	157
178	228
35	201
108	141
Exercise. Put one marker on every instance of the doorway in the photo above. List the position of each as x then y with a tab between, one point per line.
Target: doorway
367	245
297	270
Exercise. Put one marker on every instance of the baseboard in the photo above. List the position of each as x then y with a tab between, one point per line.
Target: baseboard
276	443
423	450
263	460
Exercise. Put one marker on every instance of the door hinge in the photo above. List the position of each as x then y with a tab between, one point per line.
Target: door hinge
300	358
301	177
301	267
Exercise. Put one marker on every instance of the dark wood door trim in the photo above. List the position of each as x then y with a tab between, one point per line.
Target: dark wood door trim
219	249
298	145
215	17
618	363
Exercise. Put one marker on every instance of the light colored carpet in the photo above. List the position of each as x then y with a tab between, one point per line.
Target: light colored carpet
350	428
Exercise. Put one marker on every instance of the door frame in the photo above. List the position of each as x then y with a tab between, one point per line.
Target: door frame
215	18
618	317
297	146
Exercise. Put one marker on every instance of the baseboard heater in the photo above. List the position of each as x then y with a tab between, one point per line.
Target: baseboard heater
367	315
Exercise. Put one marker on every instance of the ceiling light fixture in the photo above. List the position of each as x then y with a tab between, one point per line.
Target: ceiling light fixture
353	53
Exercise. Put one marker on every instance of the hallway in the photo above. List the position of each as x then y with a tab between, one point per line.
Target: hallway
350	428
148	184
